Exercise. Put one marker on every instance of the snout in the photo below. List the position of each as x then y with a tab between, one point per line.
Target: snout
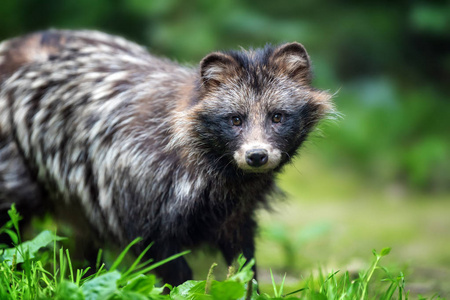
256	157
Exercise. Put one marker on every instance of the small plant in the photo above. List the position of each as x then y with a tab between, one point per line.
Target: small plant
238	285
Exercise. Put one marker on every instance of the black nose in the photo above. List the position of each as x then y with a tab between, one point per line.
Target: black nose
256	157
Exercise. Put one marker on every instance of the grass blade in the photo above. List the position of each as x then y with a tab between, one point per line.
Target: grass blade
136	264
70	265
123	253
390	291
275	293
155	265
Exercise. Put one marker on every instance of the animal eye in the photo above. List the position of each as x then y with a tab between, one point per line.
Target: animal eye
276	118
236	121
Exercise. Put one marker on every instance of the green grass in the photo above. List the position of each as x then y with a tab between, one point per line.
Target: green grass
41	269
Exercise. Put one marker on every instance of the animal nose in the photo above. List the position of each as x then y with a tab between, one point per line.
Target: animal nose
256	157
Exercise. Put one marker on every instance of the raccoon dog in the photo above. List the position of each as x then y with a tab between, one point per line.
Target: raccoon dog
145	147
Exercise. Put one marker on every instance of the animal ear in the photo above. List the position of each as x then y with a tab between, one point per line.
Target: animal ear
216	67
293	60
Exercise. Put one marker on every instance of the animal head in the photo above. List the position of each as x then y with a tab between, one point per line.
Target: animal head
255	108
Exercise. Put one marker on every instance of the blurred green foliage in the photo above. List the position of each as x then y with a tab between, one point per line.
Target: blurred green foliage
388	63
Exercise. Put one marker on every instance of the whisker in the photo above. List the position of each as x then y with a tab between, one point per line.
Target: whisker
291	162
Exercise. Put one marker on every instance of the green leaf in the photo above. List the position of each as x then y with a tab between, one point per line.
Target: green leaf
14	216
241	261
385	251
128	295
14	237
188	289
227	290
142	284
68	290
158	291
33	246
245	273
101	287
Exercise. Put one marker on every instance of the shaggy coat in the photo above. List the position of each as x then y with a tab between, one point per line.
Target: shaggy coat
145	147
